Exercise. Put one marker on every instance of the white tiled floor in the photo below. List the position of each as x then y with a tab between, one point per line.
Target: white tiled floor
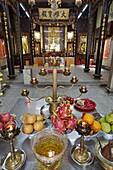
96	88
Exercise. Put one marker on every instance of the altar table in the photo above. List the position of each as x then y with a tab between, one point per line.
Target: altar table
22	141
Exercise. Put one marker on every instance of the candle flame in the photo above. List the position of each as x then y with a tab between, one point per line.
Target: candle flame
10	127
51	153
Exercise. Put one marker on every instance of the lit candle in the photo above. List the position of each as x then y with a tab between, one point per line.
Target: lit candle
24	90
84	124
84	88
66	69
74	78
42	69
34	80
9	127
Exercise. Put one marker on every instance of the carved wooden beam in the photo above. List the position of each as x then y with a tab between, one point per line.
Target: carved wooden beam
11	3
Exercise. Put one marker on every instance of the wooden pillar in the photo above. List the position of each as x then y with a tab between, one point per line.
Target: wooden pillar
19	37
102	34
9	50
89	40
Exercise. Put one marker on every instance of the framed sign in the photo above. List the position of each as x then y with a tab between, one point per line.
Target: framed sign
48	14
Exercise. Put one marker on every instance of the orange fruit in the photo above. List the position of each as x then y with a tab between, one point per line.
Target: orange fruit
89	118
79	121
91	133
96	126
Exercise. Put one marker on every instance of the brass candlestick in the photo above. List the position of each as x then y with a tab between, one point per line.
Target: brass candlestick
81	154
55	100
16	157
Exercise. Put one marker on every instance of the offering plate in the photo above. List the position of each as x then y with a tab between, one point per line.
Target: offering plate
6	157
90	156
108	136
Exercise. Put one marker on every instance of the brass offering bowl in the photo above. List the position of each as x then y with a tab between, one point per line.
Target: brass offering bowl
89	153
105	163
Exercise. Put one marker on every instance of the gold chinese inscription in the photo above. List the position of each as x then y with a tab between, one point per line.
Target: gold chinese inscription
48	14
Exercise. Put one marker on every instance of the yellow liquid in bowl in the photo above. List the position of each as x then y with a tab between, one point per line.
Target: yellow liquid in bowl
49	147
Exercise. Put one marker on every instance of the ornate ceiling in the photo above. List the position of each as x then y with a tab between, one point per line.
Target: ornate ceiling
69	4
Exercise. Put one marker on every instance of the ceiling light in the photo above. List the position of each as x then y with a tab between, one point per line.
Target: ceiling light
22	6
27	14
80	14
85	7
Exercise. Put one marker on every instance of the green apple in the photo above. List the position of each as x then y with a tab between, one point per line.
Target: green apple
112	128
102	119
109	118
106	127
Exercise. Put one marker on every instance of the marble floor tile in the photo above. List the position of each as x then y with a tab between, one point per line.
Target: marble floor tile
96	88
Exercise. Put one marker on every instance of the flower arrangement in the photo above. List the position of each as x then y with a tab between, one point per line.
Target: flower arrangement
63	119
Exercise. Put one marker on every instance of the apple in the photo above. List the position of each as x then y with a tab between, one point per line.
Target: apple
106	127
1	126
112	128
5	117
11	118
109	118
9	123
